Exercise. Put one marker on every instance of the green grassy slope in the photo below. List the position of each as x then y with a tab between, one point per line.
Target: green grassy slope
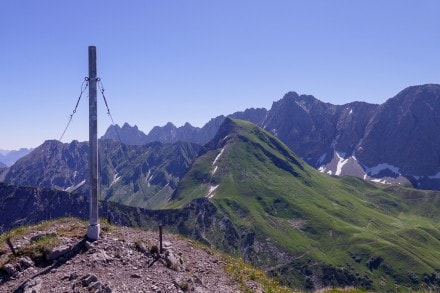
310	229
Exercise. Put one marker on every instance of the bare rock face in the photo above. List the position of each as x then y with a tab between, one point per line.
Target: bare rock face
25	263
304	123
10	269
32	286
350	126
314	129
396	142
58	252
404	132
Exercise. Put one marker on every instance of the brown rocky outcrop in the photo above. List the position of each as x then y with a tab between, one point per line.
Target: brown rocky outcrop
122	260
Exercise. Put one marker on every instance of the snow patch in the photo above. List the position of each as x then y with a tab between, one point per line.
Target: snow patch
74	187
215	170
211	190
116	177
341	162
351	112
382	181
302	104
218	156
149	175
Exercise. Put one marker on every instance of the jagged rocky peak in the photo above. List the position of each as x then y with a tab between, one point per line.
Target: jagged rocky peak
403	132
427	93
306	102
128	127
166	133
225	130
127	134
254	115
395	142
187	125
156	129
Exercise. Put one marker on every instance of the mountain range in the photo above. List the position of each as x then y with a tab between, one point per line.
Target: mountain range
395	142
248	194
141	176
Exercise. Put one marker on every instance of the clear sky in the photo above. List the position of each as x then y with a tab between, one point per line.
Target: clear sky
189	61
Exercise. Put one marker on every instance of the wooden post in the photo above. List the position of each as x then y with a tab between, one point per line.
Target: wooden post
160	239
94	228
11	247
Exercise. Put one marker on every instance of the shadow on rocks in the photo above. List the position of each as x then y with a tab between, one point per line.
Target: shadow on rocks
58	260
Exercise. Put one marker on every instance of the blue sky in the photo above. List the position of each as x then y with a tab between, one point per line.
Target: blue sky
189	61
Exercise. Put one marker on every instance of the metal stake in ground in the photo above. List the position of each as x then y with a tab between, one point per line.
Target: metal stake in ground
94	227
160	239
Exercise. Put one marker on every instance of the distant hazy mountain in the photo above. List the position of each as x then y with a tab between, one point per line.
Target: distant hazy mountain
142	176
396	142
2	165
10	157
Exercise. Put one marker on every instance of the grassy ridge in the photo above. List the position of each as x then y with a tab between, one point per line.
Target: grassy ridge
382	235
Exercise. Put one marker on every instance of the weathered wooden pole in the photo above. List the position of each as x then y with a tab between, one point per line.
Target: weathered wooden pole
93	228
160	239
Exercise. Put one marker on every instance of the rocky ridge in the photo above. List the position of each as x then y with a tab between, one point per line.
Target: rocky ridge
395	142
55	257
142	176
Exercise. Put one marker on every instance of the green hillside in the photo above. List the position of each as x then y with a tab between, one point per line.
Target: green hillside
308	229
143	176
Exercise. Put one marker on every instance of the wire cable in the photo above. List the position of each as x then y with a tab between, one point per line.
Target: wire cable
127	158
84	86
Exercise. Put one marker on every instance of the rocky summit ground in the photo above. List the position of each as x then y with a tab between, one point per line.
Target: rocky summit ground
55	257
